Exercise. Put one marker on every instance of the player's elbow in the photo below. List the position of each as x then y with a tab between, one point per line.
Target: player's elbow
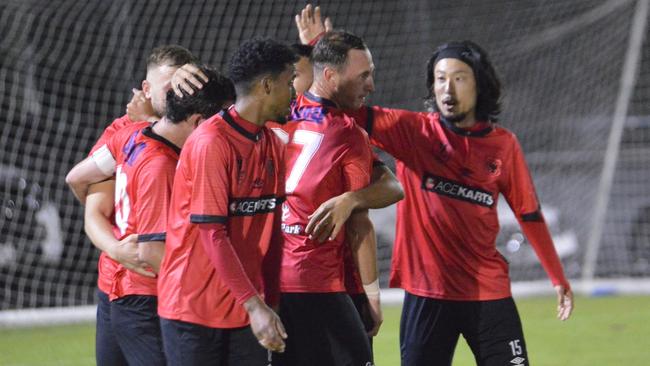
391	187
397	191
72	179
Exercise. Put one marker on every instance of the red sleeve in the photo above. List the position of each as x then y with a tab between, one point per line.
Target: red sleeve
155	178
210	181
392	130
519	191
115	126
215	241
357	161
272	262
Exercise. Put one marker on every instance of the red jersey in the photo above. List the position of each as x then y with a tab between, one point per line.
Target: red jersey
106	267
230	172
144	171
447	224
327	155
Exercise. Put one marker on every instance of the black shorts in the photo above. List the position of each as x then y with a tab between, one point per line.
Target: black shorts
323	329
128	331
193	344
107	350
430	328
136	327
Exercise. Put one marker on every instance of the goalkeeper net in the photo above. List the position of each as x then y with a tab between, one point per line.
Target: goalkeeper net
67	69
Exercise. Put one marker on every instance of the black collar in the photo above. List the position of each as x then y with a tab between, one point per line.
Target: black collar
461	131
317	99
228	118
148	131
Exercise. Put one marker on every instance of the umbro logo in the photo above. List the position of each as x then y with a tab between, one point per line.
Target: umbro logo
517	360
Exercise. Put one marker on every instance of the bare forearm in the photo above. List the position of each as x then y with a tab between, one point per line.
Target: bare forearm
366	254
383	190
99	208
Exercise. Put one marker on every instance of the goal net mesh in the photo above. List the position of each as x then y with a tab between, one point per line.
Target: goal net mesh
67	69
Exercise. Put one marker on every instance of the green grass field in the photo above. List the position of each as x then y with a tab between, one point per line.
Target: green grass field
603	331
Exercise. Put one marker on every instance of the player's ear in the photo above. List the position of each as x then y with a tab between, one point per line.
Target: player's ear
195	120
146	88
266	84
330	74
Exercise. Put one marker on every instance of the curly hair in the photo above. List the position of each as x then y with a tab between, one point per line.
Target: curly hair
258	57
488	100
207	101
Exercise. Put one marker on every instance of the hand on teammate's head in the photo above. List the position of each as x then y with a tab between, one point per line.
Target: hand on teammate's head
187	79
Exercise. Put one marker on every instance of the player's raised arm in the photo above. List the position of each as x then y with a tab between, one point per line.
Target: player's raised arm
310	24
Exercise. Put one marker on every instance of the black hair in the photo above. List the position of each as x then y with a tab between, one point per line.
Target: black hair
302	50
488	86
207	101
258	57
332	49
170	55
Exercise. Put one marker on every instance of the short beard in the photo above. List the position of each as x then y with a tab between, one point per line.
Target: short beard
455	118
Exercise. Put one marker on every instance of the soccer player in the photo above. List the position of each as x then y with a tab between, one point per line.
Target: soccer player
359	228
327	155
454	163
162	62
223	241
143	158
304	70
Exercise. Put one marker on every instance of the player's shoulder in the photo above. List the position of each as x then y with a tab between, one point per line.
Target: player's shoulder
158	161
130	132
503	133
210	129
121	122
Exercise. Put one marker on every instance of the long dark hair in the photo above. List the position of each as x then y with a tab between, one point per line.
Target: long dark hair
488	103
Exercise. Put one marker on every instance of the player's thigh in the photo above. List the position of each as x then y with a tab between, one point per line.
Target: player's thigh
428	331
192	344
350	344
362	305
244	349
137	327
107	350
306	337
494	333
323	329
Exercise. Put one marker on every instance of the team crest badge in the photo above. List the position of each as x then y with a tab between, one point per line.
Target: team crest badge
494	166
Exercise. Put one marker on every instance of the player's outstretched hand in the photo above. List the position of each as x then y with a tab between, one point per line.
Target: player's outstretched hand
140	108
328	220
376	314
564	302
266	325
126	252
310	24
187	79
